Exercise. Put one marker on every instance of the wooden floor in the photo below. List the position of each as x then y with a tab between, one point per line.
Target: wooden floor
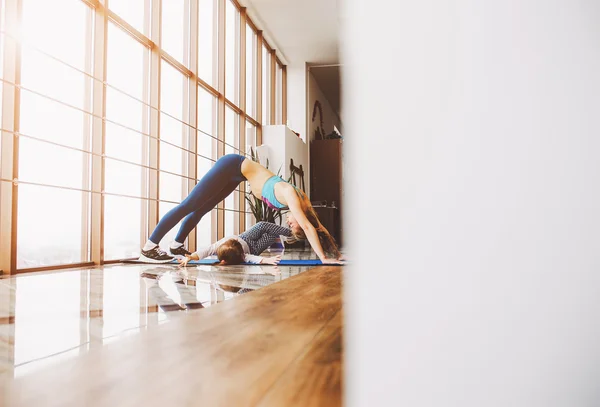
277	346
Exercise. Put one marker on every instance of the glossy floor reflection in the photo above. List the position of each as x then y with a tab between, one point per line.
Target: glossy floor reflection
47	317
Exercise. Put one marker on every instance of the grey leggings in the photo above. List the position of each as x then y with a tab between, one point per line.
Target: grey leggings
262	235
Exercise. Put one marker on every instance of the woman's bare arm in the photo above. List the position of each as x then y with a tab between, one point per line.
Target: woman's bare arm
293	202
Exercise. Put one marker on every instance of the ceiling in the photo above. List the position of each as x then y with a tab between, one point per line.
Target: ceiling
328	78
301	30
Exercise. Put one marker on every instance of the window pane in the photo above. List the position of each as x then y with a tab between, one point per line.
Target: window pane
203	165
249	217
231	131
45	163
132	11
122	227
230	217
206	113
230	200
266	84
204	231
250	137
42	118
172	159
125	62
173	131
207	34
122	178
171	187
250	143
250	72
124	143
53	235
205	146
124	110
63	41
232	52
172	128
175	29
171	90
55	80
279	96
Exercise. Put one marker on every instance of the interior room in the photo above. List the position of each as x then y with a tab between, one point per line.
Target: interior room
299	203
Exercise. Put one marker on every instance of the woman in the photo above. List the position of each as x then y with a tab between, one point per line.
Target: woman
221	180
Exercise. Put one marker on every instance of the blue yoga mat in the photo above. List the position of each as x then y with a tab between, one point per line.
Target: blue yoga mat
313	262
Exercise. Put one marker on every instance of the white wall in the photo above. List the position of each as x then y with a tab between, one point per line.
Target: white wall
296	98
330	118
473	128
281	145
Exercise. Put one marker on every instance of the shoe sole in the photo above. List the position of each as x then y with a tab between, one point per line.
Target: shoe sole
178	256
153	261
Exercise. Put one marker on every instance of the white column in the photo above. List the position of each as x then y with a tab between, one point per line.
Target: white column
296	98
474	192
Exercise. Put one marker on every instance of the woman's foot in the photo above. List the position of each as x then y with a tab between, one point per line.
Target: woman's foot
155	255
179	251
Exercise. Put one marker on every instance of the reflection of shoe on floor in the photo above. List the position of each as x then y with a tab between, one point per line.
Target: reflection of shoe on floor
171	307
155	255
194	305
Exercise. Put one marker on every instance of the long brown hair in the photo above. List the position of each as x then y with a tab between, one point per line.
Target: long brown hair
327	241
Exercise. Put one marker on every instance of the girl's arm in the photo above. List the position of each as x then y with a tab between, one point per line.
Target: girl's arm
212	249
249	258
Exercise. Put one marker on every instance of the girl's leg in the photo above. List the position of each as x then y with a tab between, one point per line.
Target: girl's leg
216	184
262	235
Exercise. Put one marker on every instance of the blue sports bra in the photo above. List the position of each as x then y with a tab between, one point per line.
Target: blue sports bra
268	193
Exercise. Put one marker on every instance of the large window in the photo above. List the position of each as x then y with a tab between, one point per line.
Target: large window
116	127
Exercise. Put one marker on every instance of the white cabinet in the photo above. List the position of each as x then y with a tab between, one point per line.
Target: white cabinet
281	145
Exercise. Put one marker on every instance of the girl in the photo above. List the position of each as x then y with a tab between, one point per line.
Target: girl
222	179
245	247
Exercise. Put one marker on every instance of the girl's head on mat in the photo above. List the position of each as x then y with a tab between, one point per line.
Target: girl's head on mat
231	252
326	240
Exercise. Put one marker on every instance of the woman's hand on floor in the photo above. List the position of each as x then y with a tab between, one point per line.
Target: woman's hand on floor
271	260
331	261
